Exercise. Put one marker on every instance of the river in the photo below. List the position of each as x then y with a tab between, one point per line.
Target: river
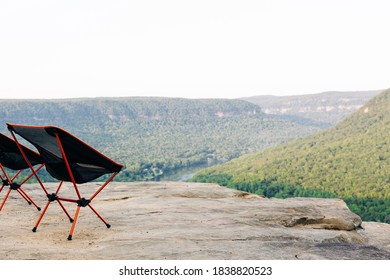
184	174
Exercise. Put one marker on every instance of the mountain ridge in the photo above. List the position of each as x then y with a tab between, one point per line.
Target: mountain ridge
322	110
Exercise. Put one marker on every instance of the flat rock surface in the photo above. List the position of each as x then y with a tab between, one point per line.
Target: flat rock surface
178	220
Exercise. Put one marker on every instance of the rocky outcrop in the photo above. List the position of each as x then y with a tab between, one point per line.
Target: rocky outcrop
166	220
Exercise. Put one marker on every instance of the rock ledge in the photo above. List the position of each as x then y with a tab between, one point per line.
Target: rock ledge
171	220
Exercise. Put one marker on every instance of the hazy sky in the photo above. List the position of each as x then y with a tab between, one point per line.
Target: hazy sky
212	48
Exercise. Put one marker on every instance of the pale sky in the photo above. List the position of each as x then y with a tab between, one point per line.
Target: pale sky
194	49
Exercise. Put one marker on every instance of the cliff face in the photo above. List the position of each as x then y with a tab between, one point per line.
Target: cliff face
166	220
321	110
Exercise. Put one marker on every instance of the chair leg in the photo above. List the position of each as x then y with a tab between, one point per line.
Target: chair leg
5	199
22	194
28	199
44	211
66	212
41	216
74	222
99	216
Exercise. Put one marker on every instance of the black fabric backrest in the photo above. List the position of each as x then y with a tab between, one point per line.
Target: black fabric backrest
85	162
11	157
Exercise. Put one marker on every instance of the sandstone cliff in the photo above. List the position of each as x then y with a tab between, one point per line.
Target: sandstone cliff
166	220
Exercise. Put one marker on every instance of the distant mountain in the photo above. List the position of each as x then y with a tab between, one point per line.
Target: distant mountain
350	160
322	110
155	136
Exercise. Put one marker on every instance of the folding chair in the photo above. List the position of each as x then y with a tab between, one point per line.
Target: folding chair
69	159
11	157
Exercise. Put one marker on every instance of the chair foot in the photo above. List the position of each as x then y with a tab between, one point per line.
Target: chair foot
108	225
34	229
39	208
70	237
71	220
29	202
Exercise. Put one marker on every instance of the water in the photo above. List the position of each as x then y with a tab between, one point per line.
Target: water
183	175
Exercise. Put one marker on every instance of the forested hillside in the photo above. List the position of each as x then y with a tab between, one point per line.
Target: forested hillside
155	136
322	110
350	160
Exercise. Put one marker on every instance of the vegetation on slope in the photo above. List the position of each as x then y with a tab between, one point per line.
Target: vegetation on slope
350	160
153	136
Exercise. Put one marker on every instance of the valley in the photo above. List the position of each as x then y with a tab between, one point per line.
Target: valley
350	160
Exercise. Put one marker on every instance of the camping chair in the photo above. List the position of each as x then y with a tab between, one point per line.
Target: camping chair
11	158
69	159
